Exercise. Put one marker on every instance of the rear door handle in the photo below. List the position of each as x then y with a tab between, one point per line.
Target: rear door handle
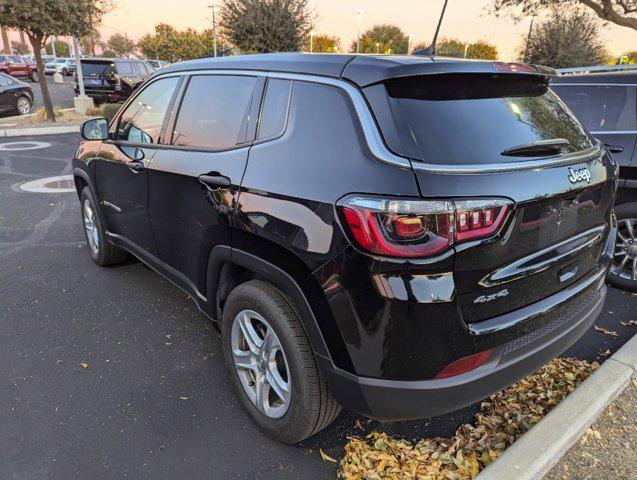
215	181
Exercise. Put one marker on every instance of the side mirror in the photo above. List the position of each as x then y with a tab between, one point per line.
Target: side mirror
95	129
614	148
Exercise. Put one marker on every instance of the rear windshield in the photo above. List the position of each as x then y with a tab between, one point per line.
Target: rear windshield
97	68
457	119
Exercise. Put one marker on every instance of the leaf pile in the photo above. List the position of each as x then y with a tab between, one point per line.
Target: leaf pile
503	418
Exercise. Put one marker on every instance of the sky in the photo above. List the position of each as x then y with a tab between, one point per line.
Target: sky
467	20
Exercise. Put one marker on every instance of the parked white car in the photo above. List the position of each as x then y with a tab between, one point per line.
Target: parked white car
63	65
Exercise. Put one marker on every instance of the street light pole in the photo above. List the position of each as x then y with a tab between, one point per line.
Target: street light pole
409	43
311	42
528	40
377	45
359	14
214	30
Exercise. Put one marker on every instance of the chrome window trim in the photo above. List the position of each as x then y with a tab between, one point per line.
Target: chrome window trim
615	132
375	142
582	84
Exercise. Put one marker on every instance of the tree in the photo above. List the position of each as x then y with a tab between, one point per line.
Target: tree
61	48
172	45
566	40
323	43
5	39
619	12
263	26
382	39
121	45
90	40
42	18
482	50
452	47
625	58
19	48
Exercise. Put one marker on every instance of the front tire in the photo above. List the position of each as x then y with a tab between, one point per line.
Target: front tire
35	76
23	105
272	364
623	271
65	72
101	250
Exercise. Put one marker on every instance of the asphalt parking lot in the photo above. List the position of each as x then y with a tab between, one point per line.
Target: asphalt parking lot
153	399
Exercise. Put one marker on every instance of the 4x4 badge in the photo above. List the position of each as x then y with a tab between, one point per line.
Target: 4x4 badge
577	176
489	298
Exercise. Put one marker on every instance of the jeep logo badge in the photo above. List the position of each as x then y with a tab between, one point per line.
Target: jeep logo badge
577	176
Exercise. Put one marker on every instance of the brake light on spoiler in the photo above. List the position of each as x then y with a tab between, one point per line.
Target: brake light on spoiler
419	228
515	67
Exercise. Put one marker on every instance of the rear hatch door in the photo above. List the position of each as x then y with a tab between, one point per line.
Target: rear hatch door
505	135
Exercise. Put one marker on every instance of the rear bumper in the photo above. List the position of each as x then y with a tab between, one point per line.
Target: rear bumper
403	400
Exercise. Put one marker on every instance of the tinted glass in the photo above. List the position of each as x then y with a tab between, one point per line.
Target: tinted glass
138	69
2	58
213	111
124	68
97	68
149	68
4	81
275	108
461	119
601	108
142	120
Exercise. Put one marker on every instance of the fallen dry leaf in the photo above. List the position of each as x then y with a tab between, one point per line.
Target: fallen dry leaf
326	457
60	360
606	331
183	398
503	418
358	425
633	323
84	364
605	353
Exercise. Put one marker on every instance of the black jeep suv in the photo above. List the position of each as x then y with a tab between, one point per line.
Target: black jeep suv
606	104
397	235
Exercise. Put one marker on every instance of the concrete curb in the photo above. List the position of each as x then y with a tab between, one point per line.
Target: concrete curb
535	452
19	132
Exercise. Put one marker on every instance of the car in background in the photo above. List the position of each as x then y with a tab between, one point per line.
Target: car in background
15	96
158	63
112	79
62	65
15	66
604	99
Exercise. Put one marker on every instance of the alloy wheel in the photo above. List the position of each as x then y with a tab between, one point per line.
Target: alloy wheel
23	105
261	363
625	259
92	234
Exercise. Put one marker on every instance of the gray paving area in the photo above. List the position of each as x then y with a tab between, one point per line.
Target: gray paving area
153	400
609	448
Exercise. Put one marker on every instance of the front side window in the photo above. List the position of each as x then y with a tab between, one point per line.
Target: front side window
601	108
214	111
274	111
142	120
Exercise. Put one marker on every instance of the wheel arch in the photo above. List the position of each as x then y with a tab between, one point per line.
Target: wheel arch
229	267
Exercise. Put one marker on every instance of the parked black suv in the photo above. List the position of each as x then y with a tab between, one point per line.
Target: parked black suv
398	235
606	104
112	79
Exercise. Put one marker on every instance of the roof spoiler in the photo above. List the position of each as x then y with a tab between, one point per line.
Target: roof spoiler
370	70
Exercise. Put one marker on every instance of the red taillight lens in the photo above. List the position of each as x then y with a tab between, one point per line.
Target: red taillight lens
400	228
464	365
417	228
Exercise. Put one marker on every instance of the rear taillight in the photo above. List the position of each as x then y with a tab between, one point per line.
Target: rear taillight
418	228
515	67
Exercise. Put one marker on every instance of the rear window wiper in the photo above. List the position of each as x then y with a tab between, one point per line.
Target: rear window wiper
551	146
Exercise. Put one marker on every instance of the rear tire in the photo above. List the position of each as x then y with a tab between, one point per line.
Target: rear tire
35	76
625	277
65	72
309	407
23	105
101	250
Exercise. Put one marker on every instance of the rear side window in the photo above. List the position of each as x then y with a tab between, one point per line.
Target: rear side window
92	68
274	111
124	68
214	111
601	108
463	119
142	120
